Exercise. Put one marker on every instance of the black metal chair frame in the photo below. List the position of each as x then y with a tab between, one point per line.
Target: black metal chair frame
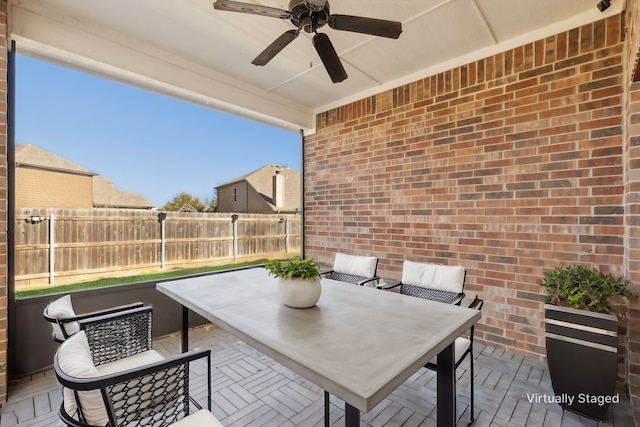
62	321
354	280
351	278
447	298
477	304
162	389
438	295
158	391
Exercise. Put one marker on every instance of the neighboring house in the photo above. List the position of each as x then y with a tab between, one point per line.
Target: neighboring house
44	180
270	189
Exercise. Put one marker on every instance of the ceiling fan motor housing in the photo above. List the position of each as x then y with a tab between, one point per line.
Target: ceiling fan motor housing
303	17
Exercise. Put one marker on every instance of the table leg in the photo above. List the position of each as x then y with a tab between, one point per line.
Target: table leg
326	409
185	329
351	416
446	414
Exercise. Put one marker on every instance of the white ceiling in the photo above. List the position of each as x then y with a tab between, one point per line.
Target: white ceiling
186	49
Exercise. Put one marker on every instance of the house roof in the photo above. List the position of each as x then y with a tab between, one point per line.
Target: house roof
28	155
190	51
105	194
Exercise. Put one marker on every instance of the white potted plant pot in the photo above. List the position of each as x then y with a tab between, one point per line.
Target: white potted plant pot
298	281
299	293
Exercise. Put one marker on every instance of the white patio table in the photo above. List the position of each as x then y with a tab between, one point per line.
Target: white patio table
357	343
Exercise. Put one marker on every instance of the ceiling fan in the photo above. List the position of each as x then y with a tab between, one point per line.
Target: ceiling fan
310	15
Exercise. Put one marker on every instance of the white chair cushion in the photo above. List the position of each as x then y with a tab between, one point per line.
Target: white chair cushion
433	276
74	358
126	363
59	309
461	345
364	266
202	418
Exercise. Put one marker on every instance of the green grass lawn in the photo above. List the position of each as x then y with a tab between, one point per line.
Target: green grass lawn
111	281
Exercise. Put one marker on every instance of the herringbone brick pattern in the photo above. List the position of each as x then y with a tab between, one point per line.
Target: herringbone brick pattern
252	390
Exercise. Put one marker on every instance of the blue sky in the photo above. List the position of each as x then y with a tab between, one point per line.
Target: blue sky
143	142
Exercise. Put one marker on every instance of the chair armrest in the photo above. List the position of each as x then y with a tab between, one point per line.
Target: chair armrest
118	335
365	281
323	272
459	299
477	303
158	390
389	285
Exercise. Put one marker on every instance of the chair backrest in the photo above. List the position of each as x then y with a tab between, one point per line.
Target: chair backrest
442	283
61	315
353	268
65	321
129	389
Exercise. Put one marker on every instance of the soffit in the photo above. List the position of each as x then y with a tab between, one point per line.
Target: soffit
186	49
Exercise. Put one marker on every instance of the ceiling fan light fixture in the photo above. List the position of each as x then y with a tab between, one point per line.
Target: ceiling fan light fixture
316	5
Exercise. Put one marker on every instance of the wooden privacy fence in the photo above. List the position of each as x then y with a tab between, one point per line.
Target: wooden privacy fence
56	246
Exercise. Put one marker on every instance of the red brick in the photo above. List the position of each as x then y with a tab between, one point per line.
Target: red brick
508	166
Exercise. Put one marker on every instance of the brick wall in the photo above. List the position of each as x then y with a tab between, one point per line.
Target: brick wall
632	254
506	166
632	45
632	199
3	202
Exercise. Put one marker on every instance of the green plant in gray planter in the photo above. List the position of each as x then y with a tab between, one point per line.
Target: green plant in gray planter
298	281
582	337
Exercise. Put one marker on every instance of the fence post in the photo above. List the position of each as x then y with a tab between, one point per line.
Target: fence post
286	234
52	248
234	222
162	216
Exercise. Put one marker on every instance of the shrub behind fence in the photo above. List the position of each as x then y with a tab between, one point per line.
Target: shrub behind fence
57	246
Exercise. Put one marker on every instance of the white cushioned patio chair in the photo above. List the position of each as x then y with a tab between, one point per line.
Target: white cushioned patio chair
354	269
64	320
442	283
112	377
463	348
357	270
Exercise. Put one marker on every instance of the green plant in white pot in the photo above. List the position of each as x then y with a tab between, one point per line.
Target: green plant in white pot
582	337
298	281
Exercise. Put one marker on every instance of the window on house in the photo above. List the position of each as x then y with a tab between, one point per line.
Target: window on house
235	194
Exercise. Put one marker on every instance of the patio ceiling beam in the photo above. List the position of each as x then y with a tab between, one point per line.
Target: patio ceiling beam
58	39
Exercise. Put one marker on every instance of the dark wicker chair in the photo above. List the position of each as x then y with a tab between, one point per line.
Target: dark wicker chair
64	320
442	284
354	269
113	377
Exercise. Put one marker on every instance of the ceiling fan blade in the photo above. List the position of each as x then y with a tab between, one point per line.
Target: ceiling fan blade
359	24
254	9
329	57
274	48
